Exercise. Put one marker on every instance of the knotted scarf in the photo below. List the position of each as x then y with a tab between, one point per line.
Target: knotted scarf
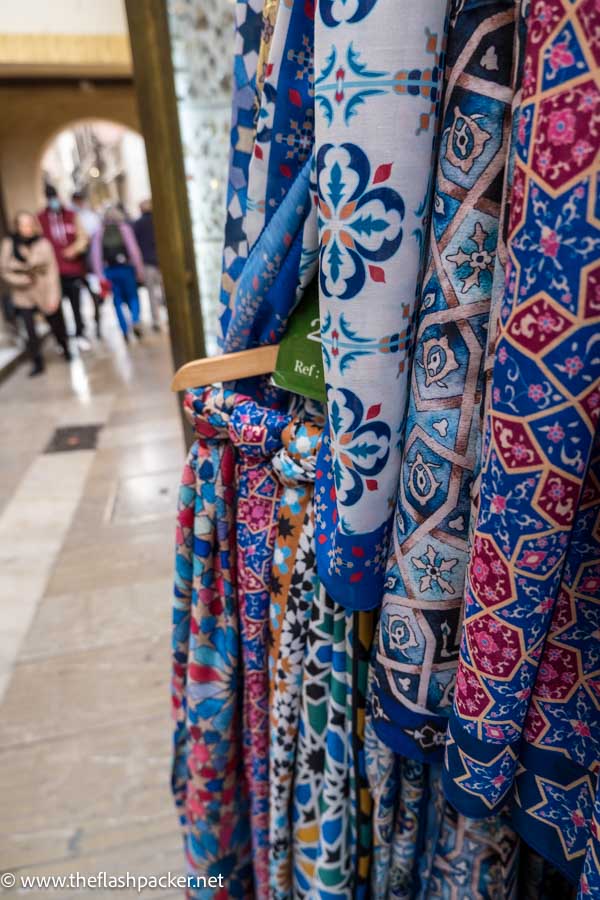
207	776
293	589
256	435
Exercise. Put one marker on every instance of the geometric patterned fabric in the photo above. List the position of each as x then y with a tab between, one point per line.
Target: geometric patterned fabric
207	777
248	20
544	409
419	629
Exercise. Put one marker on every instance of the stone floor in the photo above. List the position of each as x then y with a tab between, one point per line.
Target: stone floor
86	547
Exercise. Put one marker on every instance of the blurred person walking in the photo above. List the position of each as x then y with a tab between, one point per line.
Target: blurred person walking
28	266
115	255
91	222
63	228
144	232
89	218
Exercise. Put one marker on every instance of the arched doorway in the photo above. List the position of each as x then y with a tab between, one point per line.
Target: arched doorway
34	112
101	158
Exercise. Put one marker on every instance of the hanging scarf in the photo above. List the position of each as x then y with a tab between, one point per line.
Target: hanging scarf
426	850
359	640
589	884
377	85
332	806
333	874
383	770
256	434
417	650
284	134
278	186
293	590
207	776
312	735
559	759
269	17
248	21
542	413
466	857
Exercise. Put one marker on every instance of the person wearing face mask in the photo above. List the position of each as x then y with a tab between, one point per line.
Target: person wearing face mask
63	228
28	267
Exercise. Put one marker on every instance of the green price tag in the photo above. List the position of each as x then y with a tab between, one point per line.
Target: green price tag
299	361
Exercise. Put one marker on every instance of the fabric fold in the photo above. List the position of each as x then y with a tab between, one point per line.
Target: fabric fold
207	776
248	27
377	92
542	416
294	587
559	758
419	629
270	282
256	435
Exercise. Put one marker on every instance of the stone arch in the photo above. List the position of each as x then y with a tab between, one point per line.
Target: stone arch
35	112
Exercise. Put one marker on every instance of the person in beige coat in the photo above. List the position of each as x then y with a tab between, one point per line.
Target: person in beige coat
28	266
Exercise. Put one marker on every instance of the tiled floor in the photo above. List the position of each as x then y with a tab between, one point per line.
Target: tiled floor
86	546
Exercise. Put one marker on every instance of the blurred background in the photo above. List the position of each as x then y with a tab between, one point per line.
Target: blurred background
114	143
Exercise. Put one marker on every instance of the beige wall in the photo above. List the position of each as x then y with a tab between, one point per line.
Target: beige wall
67	37
48	53
64	17
33	113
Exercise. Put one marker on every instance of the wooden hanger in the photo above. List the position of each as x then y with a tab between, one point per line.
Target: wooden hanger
229	367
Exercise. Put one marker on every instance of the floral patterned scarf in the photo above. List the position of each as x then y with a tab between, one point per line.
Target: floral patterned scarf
544	408
378	68
256	434
207	777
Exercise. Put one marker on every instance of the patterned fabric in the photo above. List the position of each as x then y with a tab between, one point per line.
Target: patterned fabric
409	829
560	758
235	250
285	126
333	874
467	857
256	434
359	639
293	590
266	292
544	407
343	852
269	17
589	884
331	804
207	774
417	651
383	771
310	753
426	849
278	188
377	85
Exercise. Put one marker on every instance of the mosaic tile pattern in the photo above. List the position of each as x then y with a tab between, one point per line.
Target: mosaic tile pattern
202	40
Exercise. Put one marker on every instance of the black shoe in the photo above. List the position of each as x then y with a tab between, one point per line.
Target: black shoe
126	337
156	327
67	355
37	368
137	330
